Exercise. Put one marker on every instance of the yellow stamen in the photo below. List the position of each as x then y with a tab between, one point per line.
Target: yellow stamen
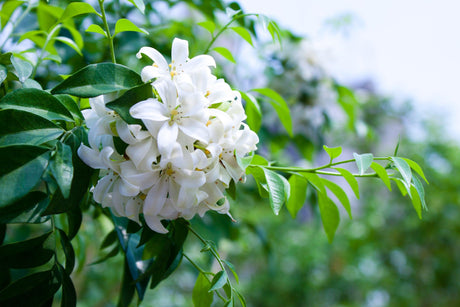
207	94
173	73
174	112
208	123
207	152
142	196
155	65
169	172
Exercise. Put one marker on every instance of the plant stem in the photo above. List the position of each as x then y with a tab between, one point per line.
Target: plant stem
195	265
49	38
107	30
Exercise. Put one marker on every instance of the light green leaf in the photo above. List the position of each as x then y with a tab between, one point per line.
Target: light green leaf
253	112
241	298
98	79
35	101
78	8
69	43
315	181
7	10
77	38
48	15
96	29
382	173
329	215
276	189
333	152
22	67
259	160
298	194
420	191
280	106
416	168
139	4
402	185
414	196
363	162
339	193
124	25
62	168
244	33
225	53
244	162
3	73
201	296
31	83
349	103
404	168
350	179
232	268
275	31
208	25
21	170
219	280
24	128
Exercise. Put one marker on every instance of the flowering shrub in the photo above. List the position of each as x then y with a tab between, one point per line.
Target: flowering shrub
153	149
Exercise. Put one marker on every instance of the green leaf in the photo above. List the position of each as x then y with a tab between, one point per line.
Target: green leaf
78	8
416	168
37	102
404	168
139	4
96	29
244	33
259	176
333	152
329	215
241	298
24	128
68	251
69	43
232	268
122	104
225	53
32	290
69	295
30	83
3	73
20	171
125	25
414	196
315	181
298	194
259	160
77	38
280	106
127	288
208	25
98	79
349	103
218	281
18	255
339	193
23	68
420	191
382	173
274	30
363	162
74	220
8	8
26	210
253	112
244	162
53	57
402	185
70	104
276	189
350	179
62	168
201	296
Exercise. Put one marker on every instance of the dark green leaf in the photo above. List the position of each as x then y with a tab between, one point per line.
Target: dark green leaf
122	104
74	219
3	73
23	68
70	105
26	210
218	281
98	79
201	296
21	171
382	173
333	152
77	8
125	25
363	162
69	295
18	255
2	234
276	189
225	53
404	168
24	128
68	252
232	268
127	288
329	215
35	101
62	168
350	179
32	290
298	194
280	106
109	239
339	193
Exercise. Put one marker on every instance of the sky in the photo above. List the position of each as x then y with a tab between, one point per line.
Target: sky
410	48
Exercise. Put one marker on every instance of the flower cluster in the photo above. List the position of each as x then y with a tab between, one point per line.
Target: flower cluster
184	156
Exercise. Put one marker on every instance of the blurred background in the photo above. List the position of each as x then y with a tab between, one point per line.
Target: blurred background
359	74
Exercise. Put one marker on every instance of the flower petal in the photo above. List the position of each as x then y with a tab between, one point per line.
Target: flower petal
167	137
156	56
194	129
179	51
199	61
155	199
150	109
154	223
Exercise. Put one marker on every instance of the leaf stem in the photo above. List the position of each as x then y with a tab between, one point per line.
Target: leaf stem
49	38
107	30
